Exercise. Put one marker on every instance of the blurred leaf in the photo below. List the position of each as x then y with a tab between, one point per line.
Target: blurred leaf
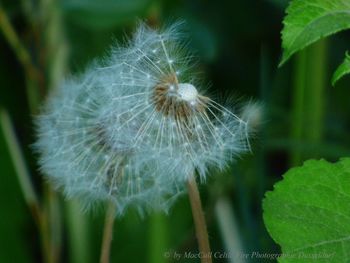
308	212
103	13
342	70
326	149
309	20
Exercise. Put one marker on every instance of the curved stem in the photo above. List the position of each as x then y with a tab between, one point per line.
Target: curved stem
32	73
108	233
12	38
199	221
20	165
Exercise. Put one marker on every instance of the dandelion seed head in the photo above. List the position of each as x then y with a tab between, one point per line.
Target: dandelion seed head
132	130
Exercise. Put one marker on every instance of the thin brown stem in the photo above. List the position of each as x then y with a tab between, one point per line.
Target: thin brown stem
108	233
54	224
199	221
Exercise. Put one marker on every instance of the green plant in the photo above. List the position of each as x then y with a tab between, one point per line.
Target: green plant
310	20
307	212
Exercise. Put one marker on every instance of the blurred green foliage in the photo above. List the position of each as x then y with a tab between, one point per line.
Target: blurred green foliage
238	44
103	14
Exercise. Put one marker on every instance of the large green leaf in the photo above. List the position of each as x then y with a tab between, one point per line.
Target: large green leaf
309	20
308	212
342	70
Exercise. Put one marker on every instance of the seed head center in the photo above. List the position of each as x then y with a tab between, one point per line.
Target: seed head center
178	100
187	92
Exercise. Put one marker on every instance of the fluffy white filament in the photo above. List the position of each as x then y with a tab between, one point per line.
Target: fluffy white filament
133	128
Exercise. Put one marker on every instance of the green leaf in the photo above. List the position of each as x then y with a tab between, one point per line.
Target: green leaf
343	69
309	20
308	212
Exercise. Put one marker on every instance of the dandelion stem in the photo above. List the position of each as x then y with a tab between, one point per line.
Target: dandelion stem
199	221
108	233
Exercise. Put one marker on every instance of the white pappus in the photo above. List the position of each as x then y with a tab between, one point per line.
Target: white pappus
134	128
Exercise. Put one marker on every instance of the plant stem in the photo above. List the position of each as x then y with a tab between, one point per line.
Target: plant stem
78	235
108	233
309	99
54	224
10	34
45	236
298	105
199	221
315	95
32	74
48	20
229	230
21	167
47	217
158	238
38	213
